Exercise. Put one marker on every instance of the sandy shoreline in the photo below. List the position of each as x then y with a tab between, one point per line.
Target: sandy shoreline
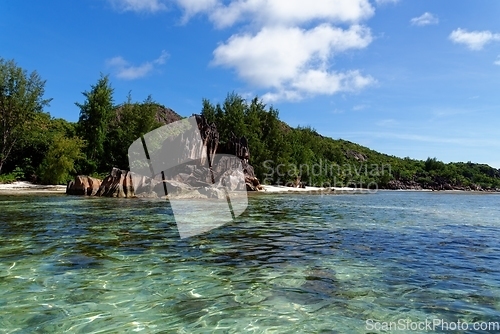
23	187
28	187
314	190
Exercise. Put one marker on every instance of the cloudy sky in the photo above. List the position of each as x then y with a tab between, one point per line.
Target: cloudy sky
406	78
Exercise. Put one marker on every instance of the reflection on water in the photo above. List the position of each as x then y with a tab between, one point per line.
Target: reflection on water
290	263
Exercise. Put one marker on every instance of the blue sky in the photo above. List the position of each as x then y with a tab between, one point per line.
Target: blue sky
406	78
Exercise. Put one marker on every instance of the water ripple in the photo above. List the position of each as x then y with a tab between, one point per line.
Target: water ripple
289	264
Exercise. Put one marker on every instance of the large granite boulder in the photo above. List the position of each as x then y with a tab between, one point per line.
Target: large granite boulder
251	181
220	166
117	184
123	183
83	185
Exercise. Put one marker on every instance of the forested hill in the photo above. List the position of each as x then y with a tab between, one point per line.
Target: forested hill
281	155
34	146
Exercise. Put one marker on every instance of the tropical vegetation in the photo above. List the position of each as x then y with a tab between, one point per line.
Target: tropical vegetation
35	146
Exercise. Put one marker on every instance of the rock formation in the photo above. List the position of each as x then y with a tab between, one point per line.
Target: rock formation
83	185
118	184
238	146
220	166
209	136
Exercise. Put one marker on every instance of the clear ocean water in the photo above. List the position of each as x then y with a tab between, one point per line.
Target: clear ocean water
289	264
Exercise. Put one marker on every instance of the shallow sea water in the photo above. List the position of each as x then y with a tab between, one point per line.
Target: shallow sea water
289	264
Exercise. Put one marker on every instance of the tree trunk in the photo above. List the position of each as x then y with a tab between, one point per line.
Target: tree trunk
4	155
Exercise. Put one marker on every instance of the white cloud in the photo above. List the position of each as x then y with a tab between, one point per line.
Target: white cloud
287	46
278	12
294	61
497	62
474	40
425	19
324	82
291	12
193	7
124	70
278	53
315	82
151	6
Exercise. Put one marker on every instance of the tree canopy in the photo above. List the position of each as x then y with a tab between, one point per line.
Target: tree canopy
95	115
21	99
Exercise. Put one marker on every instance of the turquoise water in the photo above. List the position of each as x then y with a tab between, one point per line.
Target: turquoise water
290	263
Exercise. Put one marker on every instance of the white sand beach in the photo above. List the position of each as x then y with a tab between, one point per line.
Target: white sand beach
313	190
28	187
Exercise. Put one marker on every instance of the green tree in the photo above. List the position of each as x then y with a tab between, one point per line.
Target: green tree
228	118
208	110
132	120
59	162
265	133
95	114
255	115
234	108
432	164
21	99
29	154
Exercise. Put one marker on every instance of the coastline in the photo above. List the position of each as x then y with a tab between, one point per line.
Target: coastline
270	189
273	189
23	187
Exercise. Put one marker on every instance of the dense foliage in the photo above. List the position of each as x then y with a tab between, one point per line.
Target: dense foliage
283	155
37	147
21	99
43	149
95	116
131	120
